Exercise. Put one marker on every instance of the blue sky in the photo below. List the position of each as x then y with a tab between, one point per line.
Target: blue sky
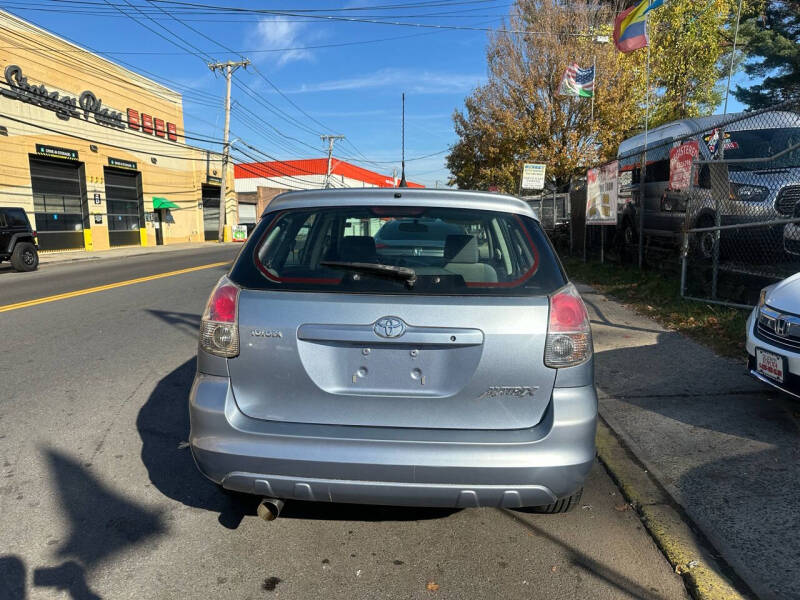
354	90
332	76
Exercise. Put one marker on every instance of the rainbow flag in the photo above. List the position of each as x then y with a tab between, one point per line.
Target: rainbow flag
630	26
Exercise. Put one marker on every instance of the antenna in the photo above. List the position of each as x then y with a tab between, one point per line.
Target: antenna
403	182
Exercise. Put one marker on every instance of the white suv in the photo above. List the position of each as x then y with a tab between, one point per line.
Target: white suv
773	336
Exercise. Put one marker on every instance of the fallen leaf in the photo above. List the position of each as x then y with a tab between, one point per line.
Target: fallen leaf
554	568
622	507
432	586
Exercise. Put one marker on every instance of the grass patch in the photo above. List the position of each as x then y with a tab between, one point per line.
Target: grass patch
657	295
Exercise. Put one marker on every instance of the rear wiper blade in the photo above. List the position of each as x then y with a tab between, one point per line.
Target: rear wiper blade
404	273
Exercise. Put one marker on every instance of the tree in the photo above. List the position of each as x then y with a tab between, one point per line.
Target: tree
690	45
518	115
774	50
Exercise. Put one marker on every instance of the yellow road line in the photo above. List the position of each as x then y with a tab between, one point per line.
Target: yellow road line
109	286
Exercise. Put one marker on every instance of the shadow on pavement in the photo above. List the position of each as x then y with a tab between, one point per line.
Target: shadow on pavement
579	559
100	523
701	391
185	322
163	425
12	578
728	445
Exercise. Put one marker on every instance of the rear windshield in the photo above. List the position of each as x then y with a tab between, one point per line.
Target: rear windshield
439	251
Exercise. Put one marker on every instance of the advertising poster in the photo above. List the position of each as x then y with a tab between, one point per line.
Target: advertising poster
680	165
532	176
239	233
602	186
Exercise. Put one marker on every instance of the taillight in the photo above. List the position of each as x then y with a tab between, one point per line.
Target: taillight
569	336
219	332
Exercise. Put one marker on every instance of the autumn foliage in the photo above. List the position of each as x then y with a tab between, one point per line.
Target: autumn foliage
518	116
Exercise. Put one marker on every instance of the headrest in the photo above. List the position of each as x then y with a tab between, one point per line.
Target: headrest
357	248
461	248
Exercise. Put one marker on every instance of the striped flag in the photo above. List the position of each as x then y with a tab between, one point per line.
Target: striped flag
630	26
577	82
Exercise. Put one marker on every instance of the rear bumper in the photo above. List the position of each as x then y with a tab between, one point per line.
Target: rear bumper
393	466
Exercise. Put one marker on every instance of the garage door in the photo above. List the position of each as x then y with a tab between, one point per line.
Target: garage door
211	211
124	206
247	213
59	202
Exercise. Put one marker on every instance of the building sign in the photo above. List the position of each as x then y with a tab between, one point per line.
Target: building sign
214	180
147	123
532	176
122	164
239	233
65	107
160	127
680	165
602	186
133	119
96	197
84	106
56	152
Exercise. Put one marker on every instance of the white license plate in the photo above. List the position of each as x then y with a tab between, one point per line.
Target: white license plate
769	364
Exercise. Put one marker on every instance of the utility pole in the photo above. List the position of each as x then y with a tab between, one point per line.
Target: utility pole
227	68
330	139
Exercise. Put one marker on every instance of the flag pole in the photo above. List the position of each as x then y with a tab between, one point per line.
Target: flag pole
733	56
643	170
594	86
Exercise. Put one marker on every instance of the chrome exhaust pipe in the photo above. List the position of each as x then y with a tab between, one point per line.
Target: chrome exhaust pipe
269	508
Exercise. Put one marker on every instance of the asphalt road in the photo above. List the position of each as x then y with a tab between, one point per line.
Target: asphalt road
99	499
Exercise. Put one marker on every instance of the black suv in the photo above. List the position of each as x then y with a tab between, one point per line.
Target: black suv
17	240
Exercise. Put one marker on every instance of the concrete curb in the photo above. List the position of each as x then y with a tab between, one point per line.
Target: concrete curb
686	551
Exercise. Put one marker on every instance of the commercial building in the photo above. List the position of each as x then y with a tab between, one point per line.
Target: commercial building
97	154
258	182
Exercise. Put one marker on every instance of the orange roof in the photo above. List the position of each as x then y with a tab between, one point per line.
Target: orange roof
314	166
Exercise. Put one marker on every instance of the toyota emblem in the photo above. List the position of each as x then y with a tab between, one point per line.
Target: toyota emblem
389	327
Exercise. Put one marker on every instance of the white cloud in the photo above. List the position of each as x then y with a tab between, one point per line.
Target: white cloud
274	33
408	80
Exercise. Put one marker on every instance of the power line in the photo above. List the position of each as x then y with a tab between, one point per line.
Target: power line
189	8
370	21
102	143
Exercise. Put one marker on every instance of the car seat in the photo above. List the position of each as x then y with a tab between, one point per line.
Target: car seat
461	257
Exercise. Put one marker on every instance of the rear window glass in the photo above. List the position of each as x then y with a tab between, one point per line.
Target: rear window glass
399	250
15	217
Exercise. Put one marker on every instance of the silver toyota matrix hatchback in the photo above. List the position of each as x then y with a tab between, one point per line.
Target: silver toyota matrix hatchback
400	347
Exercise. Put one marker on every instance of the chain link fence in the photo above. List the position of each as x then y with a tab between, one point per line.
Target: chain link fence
554	213
742	210
715	198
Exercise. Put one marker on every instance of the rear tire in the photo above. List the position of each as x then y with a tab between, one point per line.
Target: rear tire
702	244
561	505
24	257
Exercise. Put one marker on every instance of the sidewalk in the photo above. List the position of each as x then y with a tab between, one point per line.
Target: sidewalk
124	252
725	447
